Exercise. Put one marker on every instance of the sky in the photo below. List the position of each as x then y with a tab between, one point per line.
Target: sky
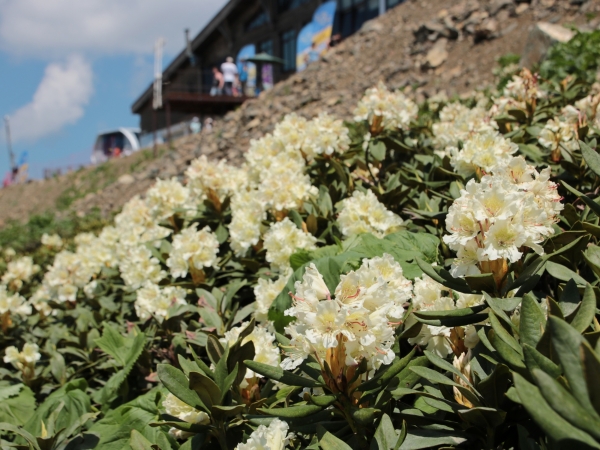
70	69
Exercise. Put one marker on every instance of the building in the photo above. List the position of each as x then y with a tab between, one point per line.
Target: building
242	27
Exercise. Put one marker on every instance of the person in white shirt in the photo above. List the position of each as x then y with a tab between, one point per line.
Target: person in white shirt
229	71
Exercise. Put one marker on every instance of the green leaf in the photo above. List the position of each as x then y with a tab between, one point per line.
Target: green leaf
178	385
486	418
417	439
16	409
591	157
591	368
533	321
76	404
278	374
445	365
113	343
20	432
365	416
292	412
207	389
566	341
433	376
563	403
549	420
139	442
592	258
563	273
508	354
587	310
377	150
330	442
535	360
444	278
386	437
595	207
383	377
503	334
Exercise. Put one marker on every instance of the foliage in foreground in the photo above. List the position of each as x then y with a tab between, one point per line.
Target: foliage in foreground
420	277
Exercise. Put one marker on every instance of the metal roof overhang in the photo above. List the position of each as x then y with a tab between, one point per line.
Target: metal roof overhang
182	57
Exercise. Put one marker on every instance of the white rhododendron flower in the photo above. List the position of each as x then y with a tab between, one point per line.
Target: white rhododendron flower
176	408
28	356
136	226
167	197
273	437
561	131
52	241
358	320
248	212
283	239
494	219
139	266
522	90
266	291
385	110
458	123
219	177
153	300
325	135
20	271
482	151
193	248
13	303
266	350
363	213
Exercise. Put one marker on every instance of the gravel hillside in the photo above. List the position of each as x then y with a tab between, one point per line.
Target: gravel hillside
422	46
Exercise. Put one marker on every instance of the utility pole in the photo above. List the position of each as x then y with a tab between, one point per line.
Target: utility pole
9	143
157	91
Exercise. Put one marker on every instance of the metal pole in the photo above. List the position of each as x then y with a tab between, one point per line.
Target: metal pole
157	91
382	7
9	143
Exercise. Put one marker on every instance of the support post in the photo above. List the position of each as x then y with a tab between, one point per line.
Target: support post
382	7
168	111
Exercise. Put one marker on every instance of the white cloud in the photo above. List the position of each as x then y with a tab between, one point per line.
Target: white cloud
57	28
58	101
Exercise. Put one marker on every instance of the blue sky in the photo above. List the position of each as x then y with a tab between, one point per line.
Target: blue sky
71	68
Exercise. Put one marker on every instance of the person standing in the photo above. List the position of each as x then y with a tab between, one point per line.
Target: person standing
229	70
244	77
218	82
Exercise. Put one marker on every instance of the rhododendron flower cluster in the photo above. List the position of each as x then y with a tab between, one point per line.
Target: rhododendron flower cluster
139	266
19	271
363	213
513	208
358	321
521	91
561	131
385	110
192	248
168	197
458	123
13	303
272	437
26	357
481	152
153	300
283	239
52	241
221	178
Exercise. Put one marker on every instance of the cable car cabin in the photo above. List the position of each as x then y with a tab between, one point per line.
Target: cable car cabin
115	143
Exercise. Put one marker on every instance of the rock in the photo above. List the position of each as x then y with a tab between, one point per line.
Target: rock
126	179
521	8
540	38
253	124
486	30
496	5
371	26
437	55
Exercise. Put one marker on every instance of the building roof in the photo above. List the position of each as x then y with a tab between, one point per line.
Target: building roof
182	57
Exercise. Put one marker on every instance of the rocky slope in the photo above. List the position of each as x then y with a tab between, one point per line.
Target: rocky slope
422	46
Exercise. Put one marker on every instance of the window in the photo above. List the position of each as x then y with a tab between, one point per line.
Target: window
353	13
288	50
266	47
259	19
286	5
